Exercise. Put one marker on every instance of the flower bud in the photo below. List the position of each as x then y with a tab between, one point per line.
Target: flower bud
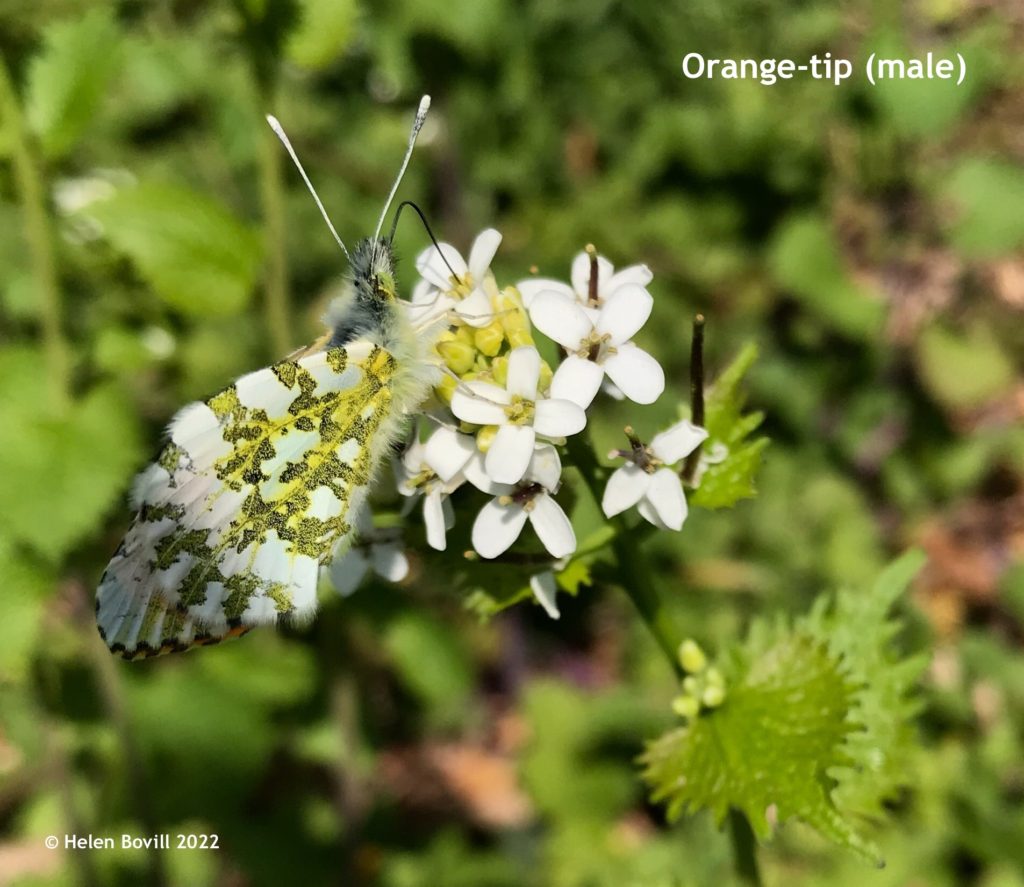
489	339
691	657
485	437
499	370
546	375
713	696
445	389
457	355
686	707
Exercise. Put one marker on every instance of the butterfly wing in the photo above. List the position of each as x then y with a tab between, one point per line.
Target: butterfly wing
255	490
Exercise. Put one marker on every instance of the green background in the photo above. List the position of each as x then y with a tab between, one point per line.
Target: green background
154	244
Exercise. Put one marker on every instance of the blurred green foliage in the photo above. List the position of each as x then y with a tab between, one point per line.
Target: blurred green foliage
868	239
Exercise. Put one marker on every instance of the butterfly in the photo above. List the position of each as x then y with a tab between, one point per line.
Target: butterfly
260	486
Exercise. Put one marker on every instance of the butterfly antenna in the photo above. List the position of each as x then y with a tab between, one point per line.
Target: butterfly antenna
417	125
275	125
426	226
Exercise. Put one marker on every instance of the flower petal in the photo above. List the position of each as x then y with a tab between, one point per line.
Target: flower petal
581	274
665	494
480	403
482	252
558	418
523	372
496	527
389	561
560	319
624	489
578	380
544	588
639	274
447	452
348	571
510	453
649	514
625	313
678	441
638	375
532	287
432	266
433	518
476	474
551	525
545	467
476	308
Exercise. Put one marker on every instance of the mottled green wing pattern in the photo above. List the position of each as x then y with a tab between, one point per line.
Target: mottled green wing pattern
256	489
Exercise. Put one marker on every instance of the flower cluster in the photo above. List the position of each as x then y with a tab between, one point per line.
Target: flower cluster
501	413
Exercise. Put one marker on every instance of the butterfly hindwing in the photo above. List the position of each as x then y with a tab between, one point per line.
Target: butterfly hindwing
255	490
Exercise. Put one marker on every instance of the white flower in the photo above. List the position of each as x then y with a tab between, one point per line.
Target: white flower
380	550
544	588
594	281
647	482
519	412
501	520
462	281
435	469
597	342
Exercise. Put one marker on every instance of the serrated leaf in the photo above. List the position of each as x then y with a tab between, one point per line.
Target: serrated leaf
725	483
815	723
770	745
69	78
859	631
84	456
195	254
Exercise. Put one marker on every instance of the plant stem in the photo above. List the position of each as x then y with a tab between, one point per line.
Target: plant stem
696	394
744	848
29	181
634	574
637	580
276	306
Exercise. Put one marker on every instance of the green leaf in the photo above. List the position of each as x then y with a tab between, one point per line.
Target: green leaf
725	483
859	632
770	744
431	661
986	196
198	257
805	260
815	723
69	78
964	370
326	28
61	472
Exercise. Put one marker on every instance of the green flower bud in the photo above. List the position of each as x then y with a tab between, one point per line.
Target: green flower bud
489	339
546	374
713	696
445	389
499	370
691	657
485	437
686	707
458	356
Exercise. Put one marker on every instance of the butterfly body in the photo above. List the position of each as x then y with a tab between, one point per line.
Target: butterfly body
259	486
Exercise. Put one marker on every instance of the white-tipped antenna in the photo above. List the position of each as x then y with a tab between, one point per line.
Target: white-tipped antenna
417	125
275	125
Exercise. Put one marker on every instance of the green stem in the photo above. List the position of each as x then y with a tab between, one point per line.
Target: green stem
744	849
29	182
276	306
637	580
634	573
112	694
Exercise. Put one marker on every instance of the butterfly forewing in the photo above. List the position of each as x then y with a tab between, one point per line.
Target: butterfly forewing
256	489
